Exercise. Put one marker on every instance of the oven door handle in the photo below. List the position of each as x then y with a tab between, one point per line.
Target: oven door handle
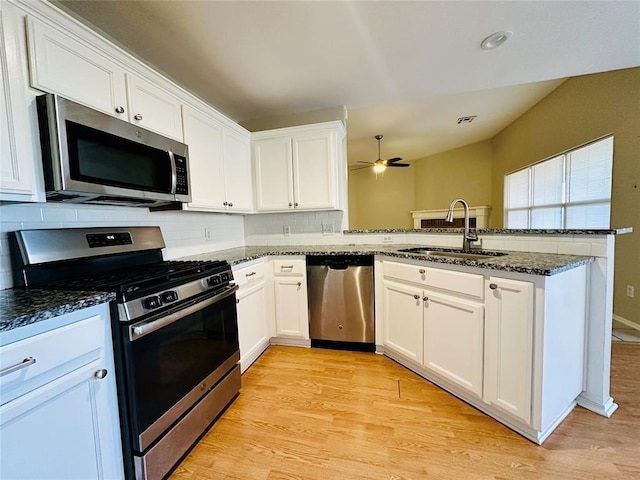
141	329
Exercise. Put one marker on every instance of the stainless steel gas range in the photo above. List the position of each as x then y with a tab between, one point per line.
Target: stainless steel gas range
175	332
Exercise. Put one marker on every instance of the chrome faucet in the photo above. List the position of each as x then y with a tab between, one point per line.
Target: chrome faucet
468	235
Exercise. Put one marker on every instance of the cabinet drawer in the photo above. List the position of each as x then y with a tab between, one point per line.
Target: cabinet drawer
289	267
33	362
250	275
457	282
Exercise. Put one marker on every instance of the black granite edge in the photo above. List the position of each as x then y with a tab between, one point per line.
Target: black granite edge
20	306
238	255
488	231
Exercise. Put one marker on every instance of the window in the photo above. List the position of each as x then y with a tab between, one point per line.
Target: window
571	190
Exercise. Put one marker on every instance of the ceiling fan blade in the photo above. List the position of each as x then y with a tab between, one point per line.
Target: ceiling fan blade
353	168
399	165
393	160
369	163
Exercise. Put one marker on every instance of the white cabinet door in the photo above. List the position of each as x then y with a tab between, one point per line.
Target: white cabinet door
253	327
292	317
237	172
18	157
204	136
153	108
60	63
454	339
403	324
58	430
509	346
314	171
274	176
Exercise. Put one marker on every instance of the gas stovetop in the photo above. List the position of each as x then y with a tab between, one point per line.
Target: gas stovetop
125	260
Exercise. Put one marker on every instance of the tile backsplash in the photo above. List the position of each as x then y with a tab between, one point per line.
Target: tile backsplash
184	232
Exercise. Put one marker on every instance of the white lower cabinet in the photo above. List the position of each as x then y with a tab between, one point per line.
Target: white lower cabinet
290	295
255	312
509	346
403	322
441	332
59	415
454	339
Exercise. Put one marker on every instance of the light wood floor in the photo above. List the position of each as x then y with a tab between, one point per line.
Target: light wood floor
322	414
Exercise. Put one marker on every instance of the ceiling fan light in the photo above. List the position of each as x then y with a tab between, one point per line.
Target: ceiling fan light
379	167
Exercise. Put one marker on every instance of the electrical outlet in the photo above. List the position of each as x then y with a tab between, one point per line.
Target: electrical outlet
387	239
286	230
208	234
327	228
631	291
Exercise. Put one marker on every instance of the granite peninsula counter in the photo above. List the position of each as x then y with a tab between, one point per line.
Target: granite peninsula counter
521	262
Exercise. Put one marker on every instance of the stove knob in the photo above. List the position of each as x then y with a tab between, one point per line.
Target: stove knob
170	296
215	280
152	302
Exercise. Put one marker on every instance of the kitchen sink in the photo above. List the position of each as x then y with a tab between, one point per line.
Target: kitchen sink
443	252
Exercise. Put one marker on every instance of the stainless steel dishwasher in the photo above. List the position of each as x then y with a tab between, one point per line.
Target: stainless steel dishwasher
340	293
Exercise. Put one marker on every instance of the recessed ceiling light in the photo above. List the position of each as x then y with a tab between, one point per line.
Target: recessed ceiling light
495	40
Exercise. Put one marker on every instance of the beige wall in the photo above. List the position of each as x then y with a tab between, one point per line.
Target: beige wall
461	172
580	110
382	202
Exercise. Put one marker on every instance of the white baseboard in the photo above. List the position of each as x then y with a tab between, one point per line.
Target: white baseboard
626	322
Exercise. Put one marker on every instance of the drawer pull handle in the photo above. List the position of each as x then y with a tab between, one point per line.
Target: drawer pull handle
23	364
422	271
493	286
249	274
288	267
100	374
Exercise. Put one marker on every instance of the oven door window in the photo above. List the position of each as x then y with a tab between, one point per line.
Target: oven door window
168	363
105	159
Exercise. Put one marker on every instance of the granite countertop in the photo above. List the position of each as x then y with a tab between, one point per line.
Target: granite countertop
496	231
523	262
22	306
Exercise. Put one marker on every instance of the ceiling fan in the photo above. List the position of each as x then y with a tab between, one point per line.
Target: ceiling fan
380	165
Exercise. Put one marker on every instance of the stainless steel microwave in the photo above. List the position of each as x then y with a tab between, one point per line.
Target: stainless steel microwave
91	157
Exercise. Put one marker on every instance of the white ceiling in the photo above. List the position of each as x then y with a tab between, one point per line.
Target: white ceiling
406	70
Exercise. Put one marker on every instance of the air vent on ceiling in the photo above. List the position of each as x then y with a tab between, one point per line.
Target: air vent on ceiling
468	119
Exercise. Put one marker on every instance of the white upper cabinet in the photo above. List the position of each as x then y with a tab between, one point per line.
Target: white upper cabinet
18	147
62	63
299	168
220	164
153	108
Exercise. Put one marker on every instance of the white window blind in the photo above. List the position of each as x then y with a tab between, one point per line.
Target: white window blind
571	190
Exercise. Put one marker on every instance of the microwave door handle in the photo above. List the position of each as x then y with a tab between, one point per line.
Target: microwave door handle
141	329
174	173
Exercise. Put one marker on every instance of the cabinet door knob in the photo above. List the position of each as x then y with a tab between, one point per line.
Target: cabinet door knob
226	203
237	300
230	204
425	299
493	286
417	297
120	109
299	284
295	204
422	271
290	204
137	116
100	374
